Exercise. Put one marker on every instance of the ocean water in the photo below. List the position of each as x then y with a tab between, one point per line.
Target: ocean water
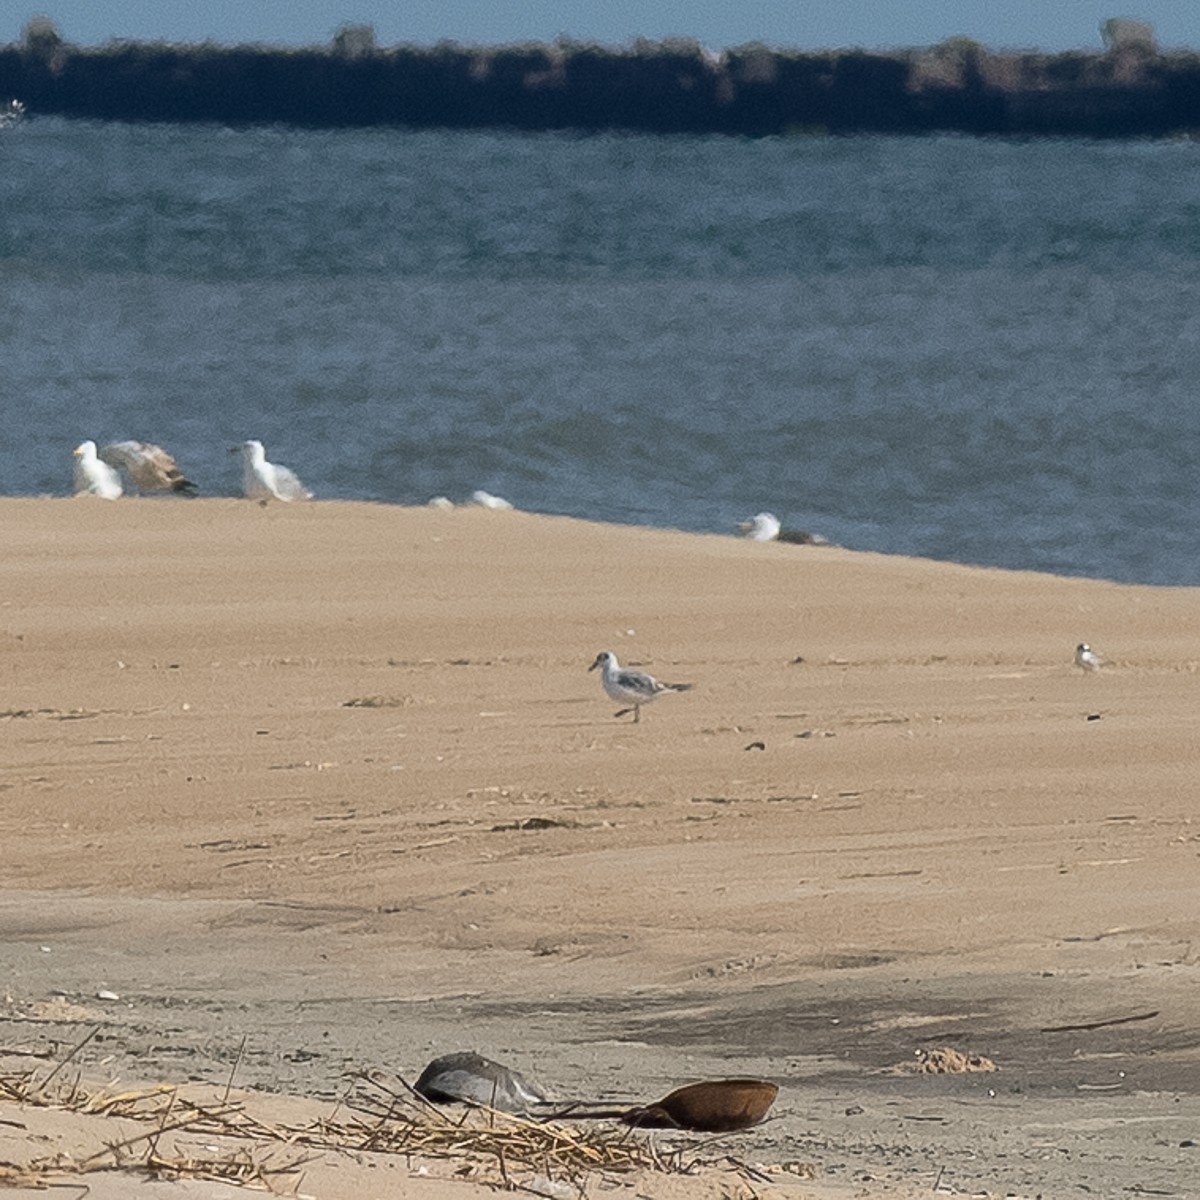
985	351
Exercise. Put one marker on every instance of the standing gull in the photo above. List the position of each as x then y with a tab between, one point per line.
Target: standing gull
92	476
265	481
1087	658
631	688
150	467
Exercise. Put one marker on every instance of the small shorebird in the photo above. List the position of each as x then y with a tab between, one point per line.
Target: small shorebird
94	477
1087	658
150	467
631	688
265	481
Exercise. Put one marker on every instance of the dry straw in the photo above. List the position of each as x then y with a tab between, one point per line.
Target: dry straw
380	1117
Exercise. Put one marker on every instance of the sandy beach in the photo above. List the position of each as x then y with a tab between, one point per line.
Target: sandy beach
328	787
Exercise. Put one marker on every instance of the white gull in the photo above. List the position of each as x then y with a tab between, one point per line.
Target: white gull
262	480
631	688
92	476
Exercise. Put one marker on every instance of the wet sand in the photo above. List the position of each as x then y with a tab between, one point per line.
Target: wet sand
334	779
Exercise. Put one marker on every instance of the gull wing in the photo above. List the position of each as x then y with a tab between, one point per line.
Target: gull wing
148	465
288	485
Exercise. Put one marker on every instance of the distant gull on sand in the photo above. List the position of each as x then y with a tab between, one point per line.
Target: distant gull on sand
765	527
92	476
1087	658
265	481
631	688
150	467
487	500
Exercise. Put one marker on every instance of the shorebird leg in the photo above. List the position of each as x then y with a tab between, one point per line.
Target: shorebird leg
622	711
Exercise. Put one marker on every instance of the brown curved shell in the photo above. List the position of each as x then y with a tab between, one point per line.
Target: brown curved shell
713	1106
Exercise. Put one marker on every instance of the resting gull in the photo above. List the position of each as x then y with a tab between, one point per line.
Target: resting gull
93	477
765	527
150	467
631	688
265	481
487	500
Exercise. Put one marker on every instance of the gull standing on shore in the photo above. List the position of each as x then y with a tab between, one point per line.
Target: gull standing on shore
150	467
265	481
1086	658
631	688
94	477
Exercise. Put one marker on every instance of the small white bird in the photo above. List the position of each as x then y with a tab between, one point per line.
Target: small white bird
487	500
265	481
92	476
149	466
1087	658
631	688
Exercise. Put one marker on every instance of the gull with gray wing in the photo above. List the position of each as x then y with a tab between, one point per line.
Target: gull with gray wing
263	481
631	688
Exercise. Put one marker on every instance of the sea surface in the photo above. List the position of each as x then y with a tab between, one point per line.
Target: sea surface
986	351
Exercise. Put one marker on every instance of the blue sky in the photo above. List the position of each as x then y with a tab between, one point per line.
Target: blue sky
1049	25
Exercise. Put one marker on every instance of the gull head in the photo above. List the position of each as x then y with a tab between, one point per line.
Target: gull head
252	451
604	659
86	450
762	527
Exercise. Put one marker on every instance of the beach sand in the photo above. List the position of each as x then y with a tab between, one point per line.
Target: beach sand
327	787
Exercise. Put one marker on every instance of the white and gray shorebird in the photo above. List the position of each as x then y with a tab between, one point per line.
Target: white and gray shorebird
1087	658
93	476
149	466
631	688
263	481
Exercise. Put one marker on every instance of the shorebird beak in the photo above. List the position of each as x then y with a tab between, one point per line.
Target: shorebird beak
235	449
599	660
